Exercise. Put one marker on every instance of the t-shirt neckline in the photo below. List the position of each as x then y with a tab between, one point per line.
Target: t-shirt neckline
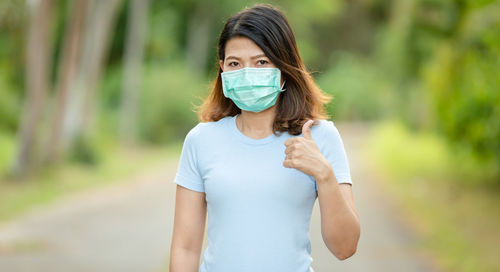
243	138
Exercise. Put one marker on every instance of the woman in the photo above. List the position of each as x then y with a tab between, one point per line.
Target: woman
261	155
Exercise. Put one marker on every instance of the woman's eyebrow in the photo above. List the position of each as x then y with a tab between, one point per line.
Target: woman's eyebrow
232	57
254	57
259	56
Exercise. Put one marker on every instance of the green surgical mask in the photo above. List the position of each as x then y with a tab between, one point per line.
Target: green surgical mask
252	89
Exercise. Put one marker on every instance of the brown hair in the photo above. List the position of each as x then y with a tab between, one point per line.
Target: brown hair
269	29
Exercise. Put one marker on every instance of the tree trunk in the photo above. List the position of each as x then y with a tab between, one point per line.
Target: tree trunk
38	63
67	70
131	83
75	103
199	27
95	52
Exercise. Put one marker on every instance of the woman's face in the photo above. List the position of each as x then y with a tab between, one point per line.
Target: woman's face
242	52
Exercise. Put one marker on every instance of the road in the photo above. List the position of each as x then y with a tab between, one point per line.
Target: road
128	227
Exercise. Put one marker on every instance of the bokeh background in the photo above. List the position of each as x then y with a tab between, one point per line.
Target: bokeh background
95	93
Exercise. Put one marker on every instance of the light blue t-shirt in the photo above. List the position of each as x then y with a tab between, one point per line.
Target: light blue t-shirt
258	210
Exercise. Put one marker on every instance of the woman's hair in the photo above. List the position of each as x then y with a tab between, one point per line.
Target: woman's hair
269	29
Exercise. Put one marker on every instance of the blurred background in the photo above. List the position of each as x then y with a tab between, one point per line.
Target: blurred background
96	97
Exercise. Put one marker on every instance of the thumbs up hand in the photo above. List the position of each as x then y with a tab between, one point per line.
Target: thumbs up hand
303	154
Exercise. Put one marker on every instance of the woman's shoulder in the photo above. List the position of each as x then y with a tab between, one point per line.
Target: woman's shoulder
207	129
324	125
324	130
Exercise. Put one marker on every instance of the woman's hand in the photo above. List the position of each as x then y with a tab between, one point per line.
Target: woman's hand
303	154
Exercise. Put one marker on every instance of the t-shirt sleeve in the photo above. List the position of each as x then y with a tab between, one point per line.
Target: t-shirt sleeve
188	173
332	147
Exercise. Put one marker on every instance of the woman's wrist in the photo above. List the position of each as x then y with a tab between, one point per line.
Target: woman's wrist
326	173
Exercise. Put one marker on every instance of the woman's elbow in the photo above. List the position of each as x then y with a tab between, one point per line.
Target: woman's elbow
344	248
345	254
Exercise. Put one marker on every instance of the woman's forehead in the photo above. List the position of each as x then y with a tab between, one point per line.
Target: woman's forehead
242	47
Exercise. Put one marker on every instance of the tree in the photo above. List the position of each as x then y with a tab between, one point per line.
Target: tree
136	35
38	63
67	71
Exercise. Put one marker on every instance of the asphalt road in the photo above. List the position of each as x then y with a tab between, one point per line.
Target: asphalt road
128	227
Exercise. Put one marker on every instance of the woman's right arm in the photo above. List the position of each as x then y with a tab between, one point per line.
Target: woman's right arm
189	228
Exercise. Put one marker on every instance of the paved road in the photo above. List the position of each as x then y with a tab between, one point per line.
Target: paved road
128	228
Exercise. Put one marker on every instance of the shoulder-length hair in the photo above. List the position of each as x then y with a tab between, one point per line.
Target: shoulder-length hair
269	29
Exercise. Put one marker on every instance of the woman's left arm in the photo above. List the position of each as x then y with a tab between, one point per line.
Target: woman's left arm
340	226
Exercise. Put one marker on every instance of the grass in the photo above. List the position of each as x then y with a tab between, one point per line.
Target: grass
117	164
447	201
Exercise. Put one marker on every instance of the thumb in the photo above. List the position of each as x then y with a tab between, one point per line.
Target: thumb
306	129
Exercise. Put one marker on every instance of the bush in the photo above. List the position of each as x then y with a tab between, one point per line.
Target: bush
359	90
7	147
463	83
167	99
405	156
167	102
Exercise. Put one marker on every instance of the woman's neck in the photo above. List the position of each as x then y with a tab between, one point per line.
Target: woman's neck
257	125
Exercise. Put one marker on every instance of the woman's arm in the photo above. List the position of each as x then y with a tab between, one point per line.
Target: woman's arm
340	226
189	228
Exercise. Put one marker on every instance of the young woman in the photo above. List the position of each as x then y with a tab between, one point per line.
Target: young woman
259	159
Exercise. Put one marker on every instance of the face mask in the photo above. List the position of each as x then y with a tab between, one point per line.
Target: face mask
252	89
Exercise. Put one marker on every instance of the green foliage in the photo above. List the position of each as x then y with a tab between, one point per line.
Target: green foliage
166	106
407	155
13	21
441	188
10	105
443	59
464	85
304	16
164	25
359	89
429	63
84	151
7	148
167	103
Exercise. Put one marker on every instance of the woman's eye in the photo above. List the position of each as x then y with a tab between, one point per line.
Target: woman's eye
233	63
262	62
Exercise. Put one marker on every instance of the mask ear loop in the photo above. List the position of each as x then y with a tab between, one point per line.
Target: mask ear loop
283	85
